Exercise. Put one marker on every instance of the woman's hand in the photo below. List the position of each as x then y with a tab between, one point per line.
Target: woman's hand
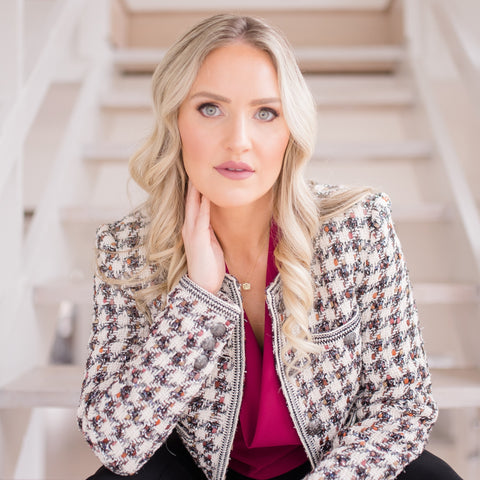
205	260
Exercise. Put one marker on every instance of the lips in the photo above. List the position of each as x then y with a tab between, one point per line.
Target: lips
235	170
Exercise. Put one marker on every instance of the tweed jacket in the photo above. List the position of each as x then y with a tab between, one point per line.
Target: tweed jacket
362	405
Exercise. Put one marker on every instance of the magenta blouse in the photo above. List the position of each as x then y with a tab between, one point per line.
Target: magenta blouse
266	443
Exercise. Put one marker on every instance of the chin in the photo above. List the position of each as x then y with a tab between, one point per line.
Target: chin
237	197
240	201
231	202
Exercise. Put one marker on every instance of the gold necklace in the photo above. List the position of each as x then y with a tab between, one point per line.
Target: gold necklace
245	286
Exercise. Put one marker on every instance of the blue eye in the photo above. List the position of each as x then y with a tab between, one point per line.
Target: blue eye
266	114
209	110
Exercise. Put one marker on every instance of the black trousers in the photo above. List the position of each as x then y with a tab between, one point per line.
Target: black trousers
173	462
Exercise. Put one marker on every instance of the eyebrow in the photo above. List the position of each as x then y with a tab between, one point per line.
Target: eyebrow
220	98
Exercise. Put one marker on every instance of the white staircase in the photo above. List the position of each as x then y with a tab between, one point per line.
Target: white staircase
377	125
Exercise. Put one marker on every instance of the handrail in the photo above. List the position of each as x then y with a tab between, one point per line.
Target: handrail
463	196
464	199
18	122
457	45
69	152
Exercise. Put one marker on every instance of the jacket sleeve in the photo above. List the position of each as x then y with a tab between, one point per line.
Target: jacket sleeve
394	408
141	376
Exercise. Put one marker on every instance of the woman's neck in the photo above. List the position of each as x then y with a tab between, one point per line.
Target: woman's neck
242	231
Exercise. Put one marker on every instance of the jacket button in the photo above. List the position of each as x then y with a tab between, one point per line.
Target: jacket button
208	344
314	428
218	330
350	339
200	362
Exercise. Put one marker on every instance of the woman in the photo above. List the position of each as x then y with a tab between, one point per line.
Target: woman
266	322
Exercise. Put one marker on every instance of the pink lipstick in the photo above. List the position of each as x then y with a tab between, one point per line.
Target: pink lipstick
235	170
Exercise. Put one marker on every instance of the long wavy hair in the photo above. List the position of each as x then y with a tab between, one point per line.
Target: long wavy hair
158	168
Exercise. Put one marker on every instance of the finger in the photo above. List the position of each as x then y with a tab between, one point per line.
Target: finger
214	240
192	205
203	216
193	197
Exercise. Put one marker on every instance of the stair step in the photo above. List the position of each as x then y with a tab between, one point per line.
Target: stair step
330	91
126	100
46	386
446	293
92	214
423	212
456	387
108	153
80	292
282	5
355	98
350	54
76	291
309	58
407	149
59	386
426	212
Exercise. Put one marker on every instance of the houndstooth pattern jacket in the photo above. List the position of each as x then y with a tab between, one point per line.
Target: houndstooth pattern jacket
362	406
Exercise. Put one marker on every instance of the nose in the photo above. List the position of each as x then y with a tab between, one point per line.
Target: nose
238	138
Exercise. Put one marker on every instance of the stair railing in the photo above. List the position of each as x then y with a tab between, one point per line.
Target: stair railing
70	42
421	15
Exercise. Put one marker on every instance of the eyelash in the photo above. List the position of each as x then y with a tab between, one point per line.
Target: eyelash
269	110
203	106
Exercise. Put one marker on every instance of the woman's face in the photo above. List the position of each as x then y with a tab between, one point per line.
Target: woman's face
232	127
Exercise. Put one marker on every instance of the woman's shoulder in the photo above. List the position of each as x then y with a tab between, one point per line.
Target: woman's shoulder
349	208
124	234
120	246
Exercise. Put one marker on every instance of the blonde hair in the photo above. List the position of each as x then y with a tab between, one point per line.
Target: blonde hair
158	168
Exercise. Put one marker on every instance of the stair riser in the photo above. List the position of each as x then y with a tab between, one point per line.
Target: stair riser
303	26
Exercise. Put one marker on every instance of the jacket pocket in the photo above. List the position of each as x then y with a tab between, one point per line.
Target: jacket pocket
339	354
347	334
329	386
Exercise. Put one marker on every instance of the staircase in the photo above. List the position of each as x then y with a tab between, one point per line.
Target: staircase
384	121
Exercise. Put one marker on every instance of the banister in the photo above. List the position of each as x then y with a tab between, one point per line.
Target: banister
462	192
464	199
69	152
459	49
21	116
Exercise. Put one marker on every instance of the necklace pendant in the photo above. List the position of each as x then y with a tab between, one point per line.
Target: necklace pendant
246	286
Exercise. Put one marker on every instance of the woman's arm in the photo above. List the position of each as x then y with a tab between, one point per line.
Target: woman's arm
141	377
394	406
